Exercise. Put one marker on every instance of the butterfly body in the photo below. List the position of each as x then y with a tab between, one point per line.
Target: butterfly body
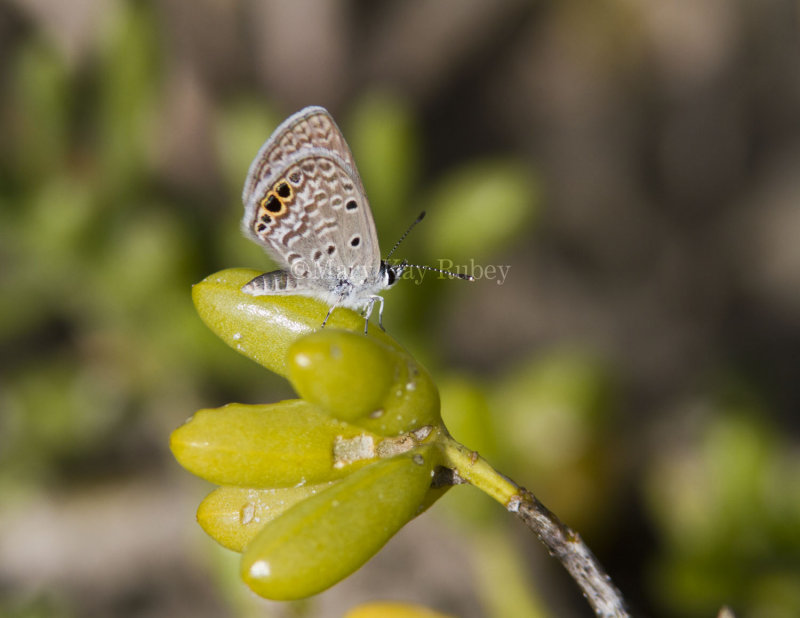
306	206
356	295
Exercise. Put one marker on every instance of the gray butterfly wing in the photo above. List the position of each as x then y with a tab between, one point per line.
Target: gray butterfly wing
311	127
313	218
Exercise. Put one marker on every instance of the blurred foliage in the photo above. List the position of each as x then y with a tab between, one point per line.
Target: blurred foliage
555	417
504	586
128	82
387	147
480	209
727	503
393	610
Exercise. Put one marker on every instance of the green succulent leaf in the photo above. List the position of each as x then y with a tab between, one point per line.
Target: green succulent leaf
275	445
263	327
233	516
323	539
312	487
260	327
361	380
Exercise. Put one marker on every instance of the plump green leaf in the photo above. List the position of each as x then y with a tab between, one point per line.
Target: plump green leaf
263	327
347	374
323	539
233	516
363	381
276	445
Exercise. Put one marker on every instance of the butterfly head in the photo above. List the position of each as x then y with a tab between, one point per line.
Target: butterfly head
391	273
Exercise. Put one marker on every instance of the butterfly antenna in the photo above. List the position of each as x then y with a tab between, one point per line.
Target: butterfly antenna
422	266
403	237
449	273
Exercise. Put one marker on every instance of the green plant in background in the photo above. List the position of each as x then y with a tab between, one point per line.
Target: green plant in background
86	243
728	501
313	487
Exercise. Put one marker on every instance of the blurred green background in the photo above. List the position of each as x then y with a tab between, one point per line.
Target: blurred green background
634	163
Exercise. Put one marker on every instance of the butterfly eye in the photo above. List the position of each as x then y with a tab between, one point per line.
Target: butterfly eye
355	241
351	205
283	190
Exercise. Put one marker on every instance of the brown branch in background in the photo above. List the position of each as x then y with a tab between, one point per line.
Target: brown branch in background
567	545
562	542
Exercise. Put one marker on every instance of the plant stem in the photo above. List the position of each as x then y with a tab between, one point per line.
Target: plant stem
562	542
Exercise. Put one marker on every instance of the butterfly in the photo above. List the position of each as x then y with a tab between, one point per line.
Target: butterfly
305	204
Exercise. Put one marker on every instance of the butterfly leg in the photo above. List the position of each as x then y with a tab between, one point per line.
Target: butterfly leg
330	311
366	313
372	301
325	321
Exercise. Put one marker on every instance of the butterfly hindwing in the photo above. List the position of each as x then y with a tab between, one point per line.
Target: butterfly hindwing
315	221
